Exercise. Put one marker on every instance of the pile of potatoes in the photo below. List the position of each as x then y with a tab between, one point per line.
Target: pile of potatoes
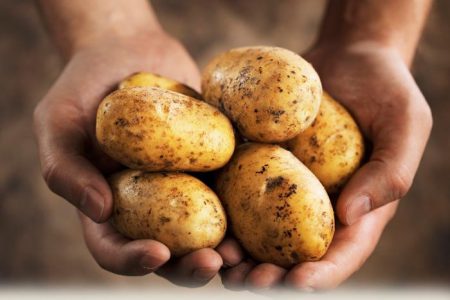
296	147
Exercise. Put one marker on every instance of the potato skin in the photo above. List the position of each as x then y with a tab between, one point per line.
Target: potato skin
332	148
270	93
147	79
277	208
153	129
175	209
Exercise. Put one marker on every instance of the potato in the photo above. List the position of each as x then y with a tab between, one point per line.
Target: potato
146	79
277	209
271	94
174	208
332	148
153	129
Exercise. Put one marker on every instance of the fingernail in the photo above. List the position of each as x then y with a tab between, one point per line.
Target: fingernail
149	263
203	274
356	209
92	204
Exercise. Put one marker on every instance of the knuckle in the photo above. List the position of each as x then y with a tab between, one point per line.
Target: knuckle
427	116
391	215
105	266
422	112
50	173
40	118
397	181
37	114
400	182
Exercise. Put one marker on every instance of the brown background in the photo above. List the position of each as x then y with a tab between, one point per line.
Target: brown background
40	239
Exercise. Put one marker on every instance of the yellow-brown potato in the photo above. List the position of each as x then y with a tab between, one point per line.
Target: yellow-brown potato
270	93
175	209
147	79
333	147
277	208
159	130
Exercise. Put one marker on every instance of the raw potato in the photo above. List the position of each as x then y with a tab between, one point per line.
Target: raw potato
271	94
146	79
332	148
174	208
153	129
278	210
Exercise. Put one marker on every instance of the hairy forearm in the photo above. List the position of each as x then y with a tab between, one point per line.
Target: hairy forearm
76	24
394	23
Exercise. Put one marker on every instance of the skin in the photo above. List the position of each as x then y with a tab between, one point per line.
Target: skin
362	56
99	53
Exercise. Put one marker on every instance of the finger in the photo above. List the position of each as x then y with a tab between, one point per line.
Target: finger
231	252
116	254
350	248
193	269
398	148
264	276
66	171
234	278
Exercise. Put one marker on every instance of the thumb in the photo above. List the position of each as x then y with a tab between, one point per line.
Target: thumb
398	141
61	136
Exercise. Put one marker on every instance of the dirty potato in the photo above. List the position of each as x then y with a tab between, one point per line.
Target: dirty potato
147	79
270	93
154	129
175	209
278	210
332	148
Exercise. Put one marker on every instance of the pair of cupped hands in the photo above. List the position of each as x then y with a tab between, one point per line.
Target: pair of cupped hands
371	80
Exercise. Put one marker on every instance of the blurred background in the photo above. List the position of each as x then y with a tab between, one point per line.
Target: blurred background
40	238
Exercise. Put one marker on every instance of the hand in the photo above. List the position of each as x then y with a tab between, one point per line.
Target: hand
376	86
73	166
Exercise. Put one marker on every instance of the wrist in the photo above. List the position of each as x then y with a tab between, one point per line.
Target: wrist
335	48
75	25
114	37
343	34
392	25
349	46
